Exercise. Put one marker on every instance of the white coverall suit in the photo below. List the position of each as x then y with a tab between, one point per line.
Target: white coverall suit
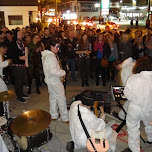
126	72
138	91
53	73
3	86
92	123
3	147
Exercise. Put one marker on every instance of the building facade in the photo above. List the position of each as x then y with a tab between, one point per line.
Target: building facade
17	13
118	8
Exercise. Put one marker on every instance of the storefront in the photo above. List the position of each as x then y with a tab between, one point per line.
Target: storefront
17	13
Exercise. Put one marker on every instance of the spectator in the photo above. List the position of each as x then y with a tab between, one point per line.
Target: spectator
17	53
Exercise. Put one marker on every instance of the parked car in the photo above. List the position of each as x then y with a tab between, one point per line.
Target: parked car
111	25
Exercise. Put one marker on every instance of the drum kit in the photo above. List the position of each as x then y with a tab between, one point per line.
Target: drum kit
27	131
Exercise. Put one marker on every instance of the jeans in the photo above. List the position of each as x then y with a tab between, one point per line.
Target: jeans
71	62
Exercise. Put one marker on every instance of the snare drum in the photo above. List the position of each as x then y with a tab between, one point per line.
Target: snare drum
28	143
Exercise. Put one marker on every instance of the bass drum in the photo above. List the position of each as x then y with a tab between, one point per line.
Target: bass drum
27	144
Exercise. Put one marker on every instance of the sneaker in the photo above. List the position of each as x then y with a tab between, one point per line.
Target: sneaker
25	96
21	100
115	114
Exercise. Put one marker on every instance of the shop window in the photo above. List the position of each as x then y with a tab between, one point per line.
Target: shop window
15	20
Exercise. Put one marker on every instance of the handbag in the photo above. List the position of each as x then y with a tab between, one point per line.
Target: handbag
95	143
104	62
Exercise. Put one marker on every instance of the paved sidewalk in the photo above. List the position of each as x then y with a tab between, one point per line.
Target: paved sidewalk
60	130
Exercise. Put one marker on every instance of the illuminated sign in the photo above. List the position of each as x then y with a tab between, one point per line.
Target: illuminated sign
105	6
87	7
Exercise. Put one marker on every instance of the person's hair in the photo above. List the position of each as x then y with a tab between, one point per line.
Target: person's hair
97	40
98	31
116	63
36	34
128	31
81	42
38	45
9	32
3	45
54	42
136	41
143	64
88	97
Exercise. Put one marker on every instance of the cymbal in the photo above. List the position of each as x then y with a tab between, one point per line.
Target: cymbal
31	123
7	95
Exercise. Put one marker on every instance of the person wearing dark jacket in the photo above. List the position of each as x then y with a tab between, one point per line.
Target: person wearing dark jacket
138	48
70	44
17	53
47	38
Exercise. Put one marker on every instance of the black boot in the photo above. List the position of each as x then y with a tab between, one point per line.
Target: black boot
97	81
87	84
82	85
104	84
38	90
29	90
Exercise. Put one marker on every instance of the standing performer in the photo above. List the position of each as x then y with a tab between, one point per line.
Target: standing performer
53	74
138	91
3	64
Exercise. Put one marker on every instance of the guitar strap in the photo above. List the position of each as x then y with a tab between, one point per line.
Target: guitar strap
85	129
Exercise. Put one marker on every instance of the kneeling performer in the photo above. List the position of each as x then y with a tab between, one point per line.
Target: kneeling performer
91	122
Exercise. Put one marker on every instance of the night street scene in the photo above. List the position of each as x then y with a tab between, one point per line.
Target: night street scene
75	76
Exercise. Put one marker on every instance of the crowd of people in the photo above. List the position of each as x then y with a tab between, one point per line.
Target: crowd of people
79	50
46	55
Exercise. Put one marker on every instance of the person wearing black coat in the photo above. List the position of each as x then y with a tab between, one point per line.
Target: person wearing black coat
16	52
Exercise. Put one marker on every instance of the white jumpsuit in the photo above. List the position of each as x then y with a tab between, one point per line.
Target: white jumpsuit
91	122
126	72
3	147
3	86
53	73
138	91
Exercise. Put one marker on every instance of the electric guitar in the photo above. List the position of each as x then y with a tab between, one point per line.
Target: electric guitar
98	137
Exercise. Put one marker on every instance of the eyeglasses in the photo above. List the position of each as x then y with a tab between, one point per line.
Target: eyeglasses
57	46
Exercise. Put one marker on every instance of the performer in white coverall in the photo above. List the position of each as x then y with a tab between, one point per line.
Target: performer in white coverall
90	120
125	72
138	91
53	74
3	64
